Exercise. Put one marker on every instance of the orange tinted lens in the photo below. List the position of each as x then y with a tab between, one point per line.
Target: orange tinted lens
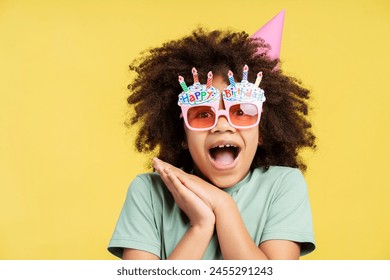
201	117
244	114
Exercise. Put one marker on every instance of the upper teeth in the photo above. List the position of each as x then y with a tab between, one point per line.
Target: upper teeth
227	145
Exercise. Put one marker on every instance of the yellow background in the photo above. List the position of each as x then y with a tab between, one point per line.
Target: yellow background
66	158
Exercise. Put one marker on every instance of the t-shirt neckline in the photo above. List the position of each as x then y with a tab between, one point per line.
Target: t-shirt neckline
237	186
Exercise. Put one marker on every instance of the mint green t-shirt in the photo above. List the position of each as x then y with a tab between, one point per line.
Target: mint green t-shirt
273	204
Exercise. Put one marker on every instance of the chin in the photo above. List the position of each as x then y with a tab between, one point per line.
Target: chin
226	181
223	177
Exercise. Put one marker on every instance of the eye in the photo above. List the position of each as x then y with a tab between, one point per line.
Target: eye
204	115
243	110
238	112
201	112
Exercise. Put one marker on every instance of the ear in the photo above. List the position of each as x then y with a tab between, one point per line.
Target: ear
184	145
260	142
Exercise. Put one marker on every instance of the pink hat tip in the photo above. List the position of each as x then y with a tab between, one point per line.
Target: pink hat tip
272	33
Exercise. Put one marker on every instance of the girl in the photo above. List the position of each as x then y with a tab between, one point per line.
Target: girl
228	183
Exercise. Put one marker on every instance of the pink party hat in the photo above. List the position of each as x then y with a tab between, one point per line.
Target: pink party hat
271	33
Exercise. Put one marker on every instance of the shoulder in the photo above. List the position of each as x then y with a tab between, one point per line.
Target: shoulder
148	179
148	189
146	183
277	173
281	179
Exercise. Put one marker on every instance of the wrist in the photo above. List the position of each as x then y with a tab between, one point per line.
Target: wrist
224	202
205	229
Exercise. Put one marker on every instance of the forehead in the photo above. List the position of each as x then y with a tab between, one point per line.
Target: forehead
219	83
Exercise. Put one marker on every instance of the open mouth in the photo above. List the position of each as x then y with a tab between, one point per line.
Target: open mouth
224	155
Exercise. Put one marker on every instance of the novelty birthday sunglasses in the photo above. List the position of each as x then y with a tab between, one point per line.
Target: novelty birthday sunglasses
200	102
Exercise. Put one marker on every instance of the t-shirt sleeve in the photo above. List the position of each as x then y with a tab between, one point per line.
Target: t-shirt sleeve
290	215
136	226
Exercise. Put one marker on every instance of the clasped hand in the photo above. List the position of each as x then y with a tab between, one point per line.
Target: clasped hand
197	198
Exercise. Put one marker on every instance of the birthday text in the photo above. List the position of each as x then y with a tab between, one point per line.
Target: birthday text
243	93
196	97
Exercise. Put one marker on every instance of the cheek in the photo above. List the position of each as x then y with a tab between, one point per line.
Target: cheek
195	140
252	139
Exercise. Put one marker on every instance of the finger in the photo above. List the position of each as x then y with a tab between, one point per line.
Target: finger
180	191
182	177
161	168
158	163
175	181
176	184
192	183
164	176
168	175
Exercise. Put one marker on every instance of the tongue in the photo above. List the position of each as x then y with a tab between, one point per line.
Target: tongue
224	157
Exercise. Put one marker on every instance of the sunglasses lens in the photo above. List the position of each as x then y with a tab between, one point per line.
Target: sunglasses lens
245	114
201	117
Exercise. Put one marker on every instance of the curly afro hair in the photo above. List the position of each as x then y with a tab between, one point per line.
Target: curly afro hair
284	127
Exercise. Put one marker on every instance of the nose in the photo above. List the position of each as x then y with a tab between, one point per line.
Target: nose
222	125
